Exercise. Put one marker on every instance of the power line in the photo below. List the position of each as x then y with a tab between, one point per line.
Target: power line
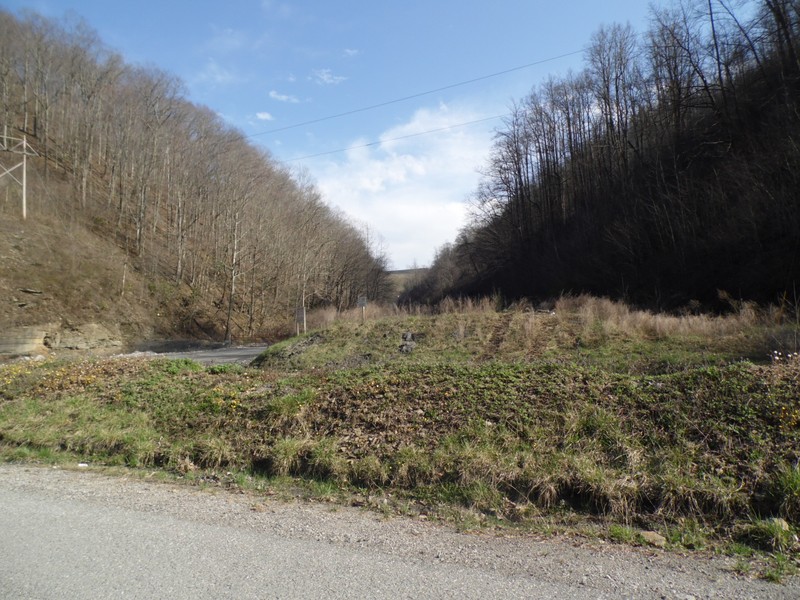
402	137
418	95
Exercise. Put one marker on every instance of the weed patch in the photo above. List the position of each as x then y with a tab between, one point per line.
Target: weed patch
706	451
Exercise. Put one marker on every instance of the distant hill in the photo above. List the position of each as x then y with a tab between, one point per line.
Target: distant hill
150	213
404	279
665	172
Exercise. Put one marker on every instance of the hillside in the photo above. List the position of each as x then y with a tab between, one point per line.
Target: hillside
663	173
128	181
59	275
81	290
404	279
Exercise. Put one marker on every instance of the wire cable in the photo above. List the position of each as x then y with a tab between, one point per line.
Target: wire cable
402	137
418	95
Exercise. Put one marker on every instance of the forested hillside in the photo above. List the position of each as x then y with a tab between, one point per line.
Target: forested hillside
210	220
666	171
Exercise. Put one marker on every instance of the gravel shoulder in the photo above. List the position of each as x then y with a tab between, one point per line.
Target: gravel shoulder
91	535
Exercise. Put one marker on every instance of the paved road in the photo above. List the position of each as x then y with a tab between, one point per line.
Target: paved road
77	534
219	356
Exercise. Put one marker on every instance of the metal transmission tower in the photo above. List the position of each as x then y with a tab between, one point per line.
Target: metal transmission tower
17	146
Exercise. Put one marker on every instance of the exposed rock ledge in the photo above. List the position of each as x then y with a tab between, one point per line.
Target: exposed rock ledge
38	339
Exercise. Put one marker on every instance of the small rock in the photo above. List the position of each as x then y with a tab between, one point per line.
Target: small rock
654	539
409	342
780	523
407	347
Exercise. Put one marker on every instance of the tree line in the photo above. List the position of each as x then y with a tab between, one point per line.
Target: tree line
666	171
184	193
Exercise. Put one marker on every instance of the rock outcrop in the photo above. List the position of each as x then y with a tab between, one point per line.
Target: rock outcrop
38	339
25	341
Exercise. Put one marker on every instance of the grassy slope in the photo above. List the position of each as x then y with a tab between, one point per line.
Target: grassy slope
591	413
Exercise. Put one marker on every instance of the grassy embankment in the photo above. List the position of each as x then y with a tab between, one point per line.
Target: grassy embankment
594	418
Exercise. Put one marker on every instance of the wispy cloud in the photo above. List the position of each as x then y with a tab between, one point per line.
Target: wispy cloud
350	52
326	77
413	192
277	9
215	74
227	40
264	116
283	97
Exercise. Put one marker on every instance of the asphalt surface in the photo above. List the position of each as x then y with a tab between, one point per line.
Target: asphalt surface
77	534
240	355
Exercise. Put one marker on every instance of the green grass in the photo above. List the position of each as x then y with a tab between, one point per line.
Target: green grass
785	486
482	425
623	534
781	566
771	535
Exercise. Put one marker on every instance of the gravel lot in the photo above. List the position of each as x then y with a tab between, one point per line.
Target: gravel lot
80	534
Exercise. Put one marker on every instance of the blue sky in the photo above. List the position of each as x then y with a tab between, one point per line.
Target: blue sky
265	65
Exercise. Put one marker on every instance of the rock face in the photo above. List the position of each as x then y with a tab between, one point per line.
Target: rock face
36	339
87	337
23	341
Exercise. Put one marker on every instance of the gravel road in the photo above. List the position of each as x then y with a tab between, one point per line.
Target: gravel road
80	534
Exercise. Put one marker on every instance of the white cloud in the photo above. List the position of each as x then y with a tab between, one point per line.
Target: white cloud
283	97
326	77
264	116
412	192
350	52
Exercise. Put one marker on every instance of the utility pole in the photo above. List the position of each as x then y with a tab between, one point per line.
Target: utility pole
18	146
362	304
24	178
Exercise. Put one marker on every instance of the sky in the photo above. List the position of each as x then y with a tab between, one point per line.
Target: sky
284	72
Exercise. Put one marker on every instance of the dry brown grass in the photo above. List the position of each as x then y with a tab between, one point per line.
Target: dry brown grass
617	317
581	328
486	304
587	310
322	318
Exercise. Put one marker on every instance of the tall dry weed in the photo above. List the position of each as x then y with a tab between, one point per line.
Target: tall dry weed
614	316
320	318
